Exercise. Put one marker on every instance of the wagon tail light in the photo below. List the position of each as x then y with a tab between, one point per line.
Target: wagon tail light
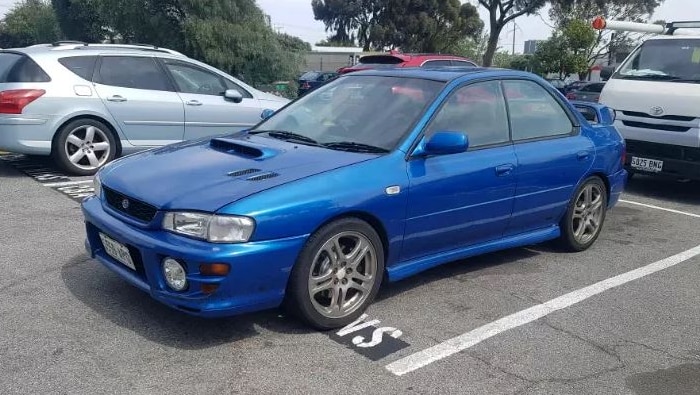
14	101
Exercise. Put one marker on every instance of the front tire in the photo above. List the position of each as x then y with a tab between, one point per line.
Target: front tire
83	146
337	275
585	215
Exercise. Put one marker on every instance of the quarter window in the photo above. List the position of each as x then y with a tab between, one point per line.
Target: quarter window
534	113
478	110
132	72
20	68
82	66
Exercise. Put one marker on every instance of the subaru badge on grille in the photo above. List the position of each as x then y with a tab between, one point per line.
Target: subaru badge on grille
125	204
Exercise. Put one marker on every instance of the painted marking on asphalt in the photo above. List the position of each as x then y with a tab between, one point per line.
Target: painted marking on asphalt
670	210
67	183
462	342
369	339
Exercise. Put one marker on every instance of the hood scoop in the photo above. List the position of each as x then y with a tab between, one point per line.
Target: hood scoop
263	176
237	147
243	172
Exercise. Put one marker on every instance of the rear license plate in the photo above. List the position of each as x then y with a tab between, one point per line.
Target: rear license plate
645	164
117	251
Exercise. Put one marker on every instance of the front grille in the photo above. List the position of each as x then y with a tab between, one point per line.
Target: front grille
134	208
666	117
666	151
669	128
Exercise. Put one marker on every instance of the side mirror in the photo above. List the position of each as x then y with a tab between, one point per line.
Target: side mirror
267	113
233	95
443	143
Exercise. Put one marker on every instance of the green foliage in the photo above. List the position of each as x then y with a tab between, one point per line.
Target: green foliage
565	52
412	25
79	20
27	23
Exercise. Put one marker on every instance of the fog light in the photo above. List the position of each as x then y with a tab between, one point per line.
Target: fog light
174	274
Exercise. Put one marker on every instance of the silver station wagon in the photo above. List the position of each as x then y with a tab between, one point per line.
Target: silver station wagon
86	104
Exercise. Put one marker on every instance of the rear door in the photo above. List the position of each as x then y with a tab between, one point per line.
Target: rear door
207	111
138	94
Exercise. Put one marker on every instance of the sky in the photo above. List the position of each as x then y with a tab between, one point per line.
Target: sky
295	17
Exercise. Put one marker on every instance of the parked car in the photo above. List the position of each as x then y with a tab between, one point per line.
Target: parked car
395	59
588	92
574	85
378	175
86	104
560	85
313	79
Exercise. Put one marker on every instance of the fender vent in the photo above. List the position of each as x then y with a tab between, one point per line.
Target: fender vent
263	176
243	172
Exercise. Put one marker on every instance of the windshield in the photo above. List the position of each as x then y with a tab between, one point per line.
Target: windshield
370	110
664	60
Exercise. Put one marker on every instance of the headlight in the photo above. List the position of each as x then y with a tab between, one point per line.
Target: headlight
210	227
97	185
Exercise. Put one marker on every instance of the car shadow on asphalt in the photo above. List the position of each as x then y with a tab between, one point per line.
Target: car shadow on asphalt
664	189
128	307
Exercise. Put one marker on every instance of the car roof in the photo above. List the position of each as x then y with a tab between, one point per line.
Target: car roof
443	74
63	49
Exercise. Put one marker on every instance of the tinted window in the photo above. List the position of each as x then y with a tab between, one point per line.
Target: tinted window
664	60
478	110
534	113
132	72
437	63
193	79
309	76
462	63
20	68
82	66
593	88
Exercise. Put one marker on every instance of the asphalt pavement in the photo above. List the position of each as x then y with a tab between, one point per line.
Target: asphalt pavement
68	325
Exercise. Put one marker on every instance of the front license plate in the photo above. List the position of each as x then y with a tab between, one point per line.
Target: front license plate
645	164
117	251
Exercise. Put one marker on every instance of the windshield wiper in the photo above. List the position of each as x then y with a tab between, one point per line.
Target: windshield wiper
355	147
692	80
285	135
660	77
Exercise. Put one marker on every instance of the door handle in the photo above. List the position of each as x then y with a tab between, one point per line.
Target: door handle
583	155
194	103
116	98
504	170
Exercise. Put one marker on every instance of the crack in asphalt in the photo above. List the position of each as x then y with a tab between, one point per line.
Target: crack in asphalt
502	370
627	343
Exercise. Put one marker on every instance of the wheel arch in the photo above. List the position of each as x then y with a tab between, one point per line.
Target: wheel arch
94	117
371	219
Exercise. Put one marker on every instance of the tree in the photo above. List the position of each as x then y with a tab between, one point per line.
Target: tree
27	23
501	12
425	26
565	51
606	41
412	25
79	20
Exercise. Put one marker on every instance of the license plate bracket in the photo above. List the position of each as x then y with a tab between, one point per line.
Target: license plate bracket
118	251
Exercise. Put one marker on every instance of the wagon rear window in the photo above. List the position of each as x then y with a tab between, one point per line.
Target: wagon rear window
20	68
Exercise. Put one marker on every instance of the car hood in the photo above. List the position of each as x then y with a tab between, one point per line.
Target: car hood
211	173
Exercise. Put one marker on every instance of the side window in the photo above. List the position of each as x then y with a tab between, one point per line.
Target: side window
437	63
478	110
82	66
132	72
462	63
21	68
534	113
192	79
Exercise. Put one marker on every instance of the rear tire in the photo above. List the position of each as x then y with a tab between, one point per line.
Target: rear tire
83	146
584	216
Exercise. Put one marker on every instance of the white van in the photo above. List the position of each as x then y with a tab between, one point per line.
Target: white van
656	95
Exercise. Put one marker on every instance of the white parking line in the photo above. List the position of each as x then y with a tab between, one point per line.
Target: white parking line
670	210
469	339
67	183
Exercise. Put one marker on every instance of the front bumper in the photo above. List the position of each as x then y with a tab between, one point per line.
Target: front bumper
258	270
678	161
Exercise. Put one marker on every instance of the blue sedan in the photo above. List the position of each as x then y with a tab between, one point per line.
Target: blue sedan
374	177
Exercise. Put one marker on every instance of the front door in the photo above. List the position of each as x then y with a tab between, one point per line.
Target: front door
207	112
463	199
137	93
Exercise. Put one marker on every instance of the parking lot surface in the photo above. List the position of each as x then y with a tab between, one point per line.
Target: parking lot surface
619	318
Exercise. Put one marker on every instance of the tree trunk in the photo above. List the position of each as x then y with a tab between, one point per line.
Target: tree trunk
492	45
